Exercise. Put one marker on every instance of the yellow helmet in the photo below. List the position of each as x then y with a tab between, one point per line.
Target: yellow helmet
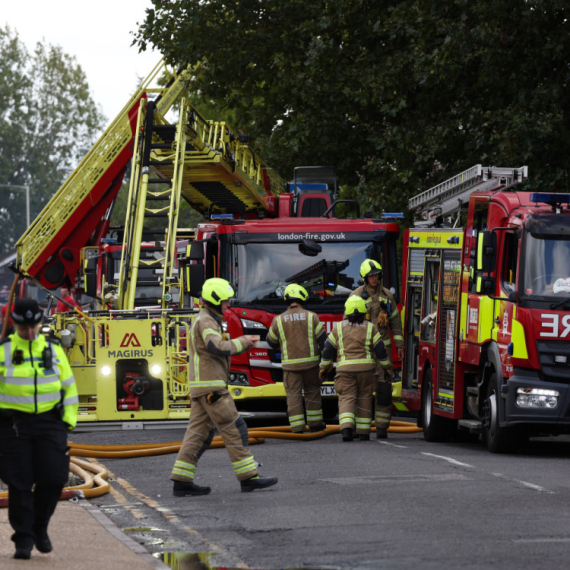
294	292
216	290
370	267
355	305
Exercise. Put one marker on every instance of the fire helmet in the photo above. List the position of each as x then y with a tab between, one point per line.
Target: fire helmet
27	312
216	290
355	305
294	292
370	267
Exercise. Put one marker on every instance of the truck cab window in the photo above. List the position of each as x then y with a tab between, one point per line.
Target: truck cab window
509	265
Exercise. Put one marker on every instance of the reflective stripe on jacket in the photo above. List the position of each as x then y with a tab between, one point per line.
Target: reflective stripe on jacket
210	352
301	336
355	347
27	386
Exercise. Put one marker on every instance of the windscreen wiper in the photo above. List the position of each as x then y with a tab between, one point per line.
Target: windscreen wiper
559	304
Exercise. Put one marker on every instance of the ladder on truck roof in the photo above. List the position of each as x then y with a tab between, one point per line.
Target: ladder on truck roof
198	160
78	213
449	197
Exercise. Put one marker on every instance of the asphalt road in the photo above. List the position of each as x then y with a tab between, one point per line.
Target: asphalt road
401	503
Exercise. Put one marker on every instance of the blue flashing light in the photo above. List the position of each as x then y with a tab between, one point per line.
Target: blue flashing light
392	215
550	198
510	349
108	240
453	240
222	217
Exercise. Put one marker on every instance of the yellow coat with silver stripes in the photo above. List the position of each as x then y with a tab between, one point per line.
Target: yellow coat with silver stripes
301	336
28	386
356	347
210	353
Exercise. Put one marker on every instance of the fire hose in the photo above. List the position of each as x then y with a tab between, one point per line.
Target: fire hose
95	476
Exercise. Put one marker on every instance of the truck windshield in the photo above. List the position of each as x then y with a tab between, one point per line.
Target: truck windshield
264	270
546	266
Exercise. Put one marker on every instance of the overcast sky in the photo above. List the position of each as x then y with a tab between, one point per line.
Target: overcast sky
96	33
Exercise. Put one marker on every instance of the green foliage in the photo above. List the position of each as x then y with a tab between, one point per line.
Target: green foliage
46	116
384	91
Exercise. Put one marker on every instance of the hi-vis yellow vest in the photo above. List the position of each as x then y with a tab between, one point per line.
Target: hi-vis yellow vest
26	386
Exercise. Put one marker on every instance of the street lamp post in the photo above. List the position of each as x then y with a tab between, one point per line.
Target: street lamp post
27	189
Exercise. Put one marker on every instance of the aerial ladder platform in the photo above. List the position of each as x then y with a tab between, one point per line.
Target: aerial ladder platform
448	198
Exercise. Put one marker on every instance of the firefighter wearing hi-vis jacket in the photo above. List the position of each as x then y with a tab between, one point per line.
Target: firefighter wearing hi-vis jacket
213	408
301	336
383	312
356	347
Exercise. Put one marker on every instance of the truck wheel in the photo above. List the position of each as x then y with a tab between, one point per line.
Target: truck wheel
436	428
498	439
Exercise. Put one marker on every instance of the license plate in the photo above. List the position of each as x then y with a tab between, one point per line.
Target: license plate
328	391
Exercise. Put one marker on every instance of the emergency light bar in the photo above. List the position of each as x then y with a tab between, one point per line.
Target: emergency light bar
222	217
550	198
388	215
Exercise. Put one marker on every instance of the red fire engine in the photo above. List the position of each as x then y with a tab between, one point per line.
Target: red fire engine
486	324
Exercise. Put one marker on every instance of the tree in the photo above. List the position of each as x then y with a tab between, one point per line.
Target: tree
46	116
385	91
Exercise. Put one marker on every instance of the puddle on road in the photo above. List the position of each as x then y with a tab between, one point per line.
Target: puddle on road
192	561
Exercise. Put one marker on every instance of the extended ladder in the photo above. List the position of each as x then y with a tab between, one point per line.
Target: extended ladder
448	197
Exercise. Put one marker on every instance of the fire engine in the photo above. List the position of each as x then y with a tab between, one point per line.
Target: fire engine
298	239
486	323
128	352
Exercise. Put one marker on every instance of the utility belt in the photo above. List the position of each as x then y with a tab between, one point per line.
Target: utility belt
9	414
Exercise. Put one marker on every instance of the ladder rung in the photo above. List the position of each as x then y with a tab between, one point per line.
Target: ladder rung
159	181
161	145
161	162
155	198
156	216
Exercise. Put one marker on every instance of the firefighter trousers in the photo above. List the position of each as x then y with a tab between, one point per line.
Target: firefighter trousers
355	399
33	451
383	413
205	419
298	383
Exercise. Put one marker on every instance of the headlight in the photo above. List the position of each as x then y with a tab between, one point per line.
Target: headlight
156	369
106	370
247	324
537	398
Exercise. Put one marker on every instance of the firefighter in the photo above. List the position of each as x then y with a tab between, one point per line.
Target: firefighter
212	406
301	336
38	406
383	312
356	346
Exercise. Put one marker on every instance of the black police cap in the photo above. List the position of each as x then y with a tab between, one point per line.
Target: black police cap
27	312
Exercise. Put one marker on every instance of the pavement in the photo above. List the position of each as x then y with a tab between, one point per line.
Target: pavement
83	538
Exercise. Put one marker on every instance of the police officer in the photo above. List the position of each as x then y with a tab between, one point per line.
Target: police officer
383	311
301	336
212	405
356	346
38	406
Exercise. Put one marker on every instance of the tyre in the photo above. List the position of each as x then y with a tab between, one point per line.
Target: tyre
498	439
436	428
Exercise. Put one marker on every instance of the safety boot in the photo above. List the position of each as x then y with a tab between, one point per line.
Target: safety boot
346	434
381	433
183	489
23	551
364	436
257	482
42	541
315	429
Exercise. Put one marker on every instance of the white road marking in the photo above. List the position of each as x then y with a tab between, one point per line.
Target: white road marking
391	444
524	483
449	459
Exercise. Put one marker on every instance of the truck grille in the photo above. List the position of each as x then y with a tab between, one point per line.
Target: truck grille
554	358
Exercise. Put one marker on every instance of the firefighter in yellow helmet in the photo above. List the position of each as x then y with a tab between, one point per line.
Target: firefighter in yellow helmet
383	312
212	406
301	336
356	347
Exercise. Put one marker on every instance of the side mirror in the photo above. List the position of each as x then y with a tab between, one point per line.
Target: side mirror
90	265
513	297
486	251
486	285
194	279
195	252
90	284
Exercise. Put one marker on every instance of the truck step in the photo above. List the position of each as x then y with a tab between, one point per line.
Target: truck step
471	425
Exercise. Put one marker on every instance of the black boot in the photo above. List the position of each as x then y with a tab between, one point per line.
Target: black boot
23	552
182	489
257	482
315	429
346	434
381	433
42	541
364	436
